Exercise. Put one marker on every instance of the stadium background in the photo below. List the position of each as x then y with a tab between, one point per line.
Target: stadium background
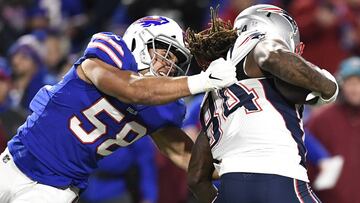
40	39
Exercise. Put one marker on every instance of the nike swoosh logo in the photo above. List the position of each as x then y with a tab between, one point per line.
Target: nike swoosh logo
215	78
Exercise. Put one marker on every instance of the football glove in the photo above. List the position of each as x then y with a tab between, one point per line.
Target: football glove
219	74
315	98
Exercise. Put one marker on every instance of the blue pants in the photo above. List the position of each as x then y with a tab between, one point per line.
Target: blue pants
263	188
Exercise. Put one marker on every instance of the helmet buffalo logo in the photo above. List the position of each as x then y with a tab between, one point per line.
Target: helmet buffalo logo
149	21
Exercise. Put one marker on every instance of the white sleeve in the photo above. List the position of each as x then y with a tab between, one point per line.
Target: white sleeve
243	45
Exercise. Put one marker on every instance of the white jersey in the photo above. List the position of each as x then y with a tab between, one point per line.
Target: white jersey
251	128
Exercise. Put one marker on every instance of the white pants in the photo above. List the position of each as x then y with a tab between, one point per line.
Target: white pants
16	187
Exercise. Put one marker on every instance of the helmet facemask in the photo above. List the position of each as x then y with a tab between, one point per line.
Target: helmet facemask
164	48
155	39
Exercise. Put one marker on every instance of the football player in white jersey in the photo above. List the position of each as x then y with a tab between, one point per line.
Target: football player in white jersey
254	131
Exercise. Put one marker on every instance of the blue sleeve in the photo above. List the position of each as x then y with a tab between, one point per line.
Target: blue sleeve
316	151
183	112
145	152
192	117
107	47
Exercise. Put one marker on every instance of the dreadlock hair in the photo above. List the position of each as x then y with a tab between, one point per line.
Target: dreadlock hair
213	42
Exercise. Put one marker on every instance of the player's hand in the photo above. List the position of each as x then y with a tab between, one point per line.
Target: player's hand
315	98
219	74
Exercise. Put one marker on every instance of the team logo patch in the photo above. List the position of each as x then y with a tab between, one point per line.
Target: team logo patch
152	20
6	158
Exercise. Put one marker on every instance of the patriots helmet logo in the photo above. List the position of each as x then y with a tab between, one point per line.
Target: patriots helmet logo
281	12
152	21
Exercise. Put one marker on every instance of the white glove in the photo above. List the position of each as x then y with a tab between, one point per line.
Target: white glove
219	74
317	96
330	171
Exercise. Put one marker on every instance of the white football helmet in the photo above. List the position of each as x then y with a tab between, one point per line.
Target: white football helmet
272	21
158	32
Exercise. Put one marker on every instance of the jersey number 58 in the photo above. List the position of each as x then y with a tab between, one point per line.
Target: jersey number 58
130	131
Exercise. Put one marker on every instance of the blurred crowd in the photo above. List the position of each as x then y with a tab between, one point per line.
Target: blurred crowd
40	39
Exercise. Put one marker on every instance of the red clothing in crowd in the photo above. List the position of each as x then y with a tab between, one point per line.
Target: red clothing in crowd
322	41
3	140
337	126
172	181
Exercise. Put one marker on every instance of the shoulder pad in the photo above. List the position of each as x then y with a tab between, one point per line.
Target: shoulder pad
107	47
243	45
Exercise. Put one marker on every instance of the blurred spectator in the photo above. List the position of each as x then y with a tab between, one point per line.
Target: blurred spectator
128	175
4	99
10	117
3	138
329	166
12	22
5	85
84	19
67	16
337	126
350	12
57	49
232	8
37	18
62	12
30	74
69	60
172	181
320	29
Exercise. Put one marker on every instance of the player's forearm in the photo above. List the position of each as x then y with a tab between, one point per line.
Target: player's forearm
293	69
178	153
128	87
144	90
157	90
174	144
205	192
201	170
219	74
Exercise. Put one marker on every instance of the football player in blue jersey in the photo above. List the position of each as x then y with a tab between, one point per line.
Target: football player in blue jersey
99	106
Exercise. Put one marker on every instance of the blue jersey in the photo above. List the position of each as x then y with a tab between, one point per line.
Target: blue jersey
73	124
110	181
